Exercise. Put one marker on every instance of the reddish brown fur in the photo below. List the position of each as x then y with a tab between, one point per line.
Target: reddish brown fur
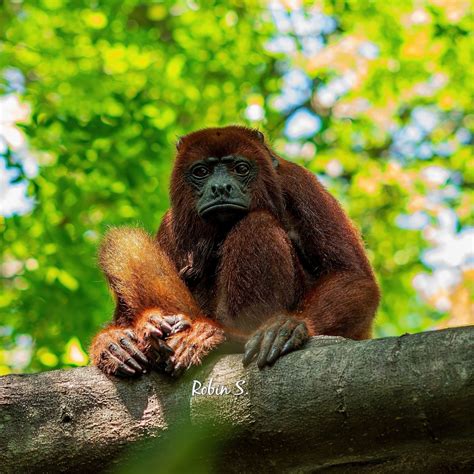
295	253
141	276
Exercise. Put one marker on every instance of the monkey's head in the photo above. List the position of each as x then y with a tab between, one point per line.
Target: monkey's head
223	173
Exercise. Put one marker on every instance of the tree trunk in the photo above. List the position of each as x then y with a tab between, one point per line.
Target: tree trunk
401	404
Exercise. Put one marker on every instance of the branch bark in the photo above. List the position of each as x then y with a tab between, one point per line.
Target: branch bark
401	404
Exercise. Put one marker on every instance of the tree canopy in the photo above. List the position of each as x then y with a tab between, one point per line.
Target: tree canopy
373	97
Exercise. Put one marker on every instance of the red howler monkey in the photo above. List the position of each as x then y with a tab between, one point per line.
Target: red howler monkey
253	249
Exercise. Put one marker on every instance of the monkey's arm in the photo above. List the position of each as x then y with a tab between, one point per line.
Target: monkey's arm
344	297
339	304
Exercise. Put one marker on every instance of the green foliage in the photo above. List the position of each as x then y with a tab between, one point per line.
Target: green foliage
112	84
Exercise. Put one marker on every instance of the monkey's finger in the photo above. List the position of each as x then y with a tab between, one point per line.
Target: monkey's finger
160	323
131	335
183	339
131	362
180	326
282	337
178	346
133	350
173	319
298	338
267	342
251	348
178	370
169	365
120	367
164	349
153	331
124	357
175	364
124	371
159	357
155	354
183	359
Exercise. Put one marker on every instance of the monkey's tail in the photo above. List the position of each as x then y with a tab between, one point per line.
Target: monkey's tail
141	275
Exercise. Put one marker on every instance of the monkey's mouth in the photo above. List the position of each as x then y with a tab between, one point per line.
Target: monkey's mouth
223	208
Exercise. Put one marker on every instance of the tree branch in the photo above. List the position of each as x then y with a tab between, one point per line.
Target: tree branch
401	404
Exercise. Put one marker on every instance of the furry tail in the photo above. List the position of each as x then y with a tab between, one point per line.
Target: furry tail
141	275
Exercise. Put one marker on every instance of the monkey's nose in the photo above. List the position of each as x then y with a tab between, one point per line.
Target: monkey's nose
220	190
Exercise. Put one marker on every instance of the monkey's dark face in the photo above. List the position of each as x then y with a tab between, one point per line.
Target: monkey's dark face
222	186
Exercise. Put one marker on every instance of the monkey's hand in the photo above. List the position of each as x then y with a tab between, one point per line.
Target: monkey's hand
192	344
152	327
275	338
115	351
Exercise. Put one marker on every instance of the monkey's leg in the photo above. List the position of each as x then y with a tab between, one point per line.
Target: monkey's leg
260	281
152	303
155	302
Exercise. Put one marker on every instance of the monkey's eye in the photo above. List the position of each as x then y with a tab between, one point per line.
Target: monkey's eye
200	171
242	169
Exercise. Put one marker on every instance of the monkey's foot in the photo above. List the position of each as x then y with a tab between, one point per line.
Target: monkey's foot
278	337
153	327
115	351
191	345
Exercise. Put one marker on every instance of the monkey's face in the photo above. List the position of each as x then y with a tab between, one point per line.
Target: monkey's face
222	186
221	174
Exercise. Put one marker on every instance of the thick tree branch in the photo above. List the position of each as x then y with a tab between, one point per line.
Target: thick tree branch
401	404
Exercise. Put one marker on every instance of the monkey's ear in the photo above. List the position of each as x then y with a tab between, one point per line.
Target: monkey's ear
260	136
179	142
274	161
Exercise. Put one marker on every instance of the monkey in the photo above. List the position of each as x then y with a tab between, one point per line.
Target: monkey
253	249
